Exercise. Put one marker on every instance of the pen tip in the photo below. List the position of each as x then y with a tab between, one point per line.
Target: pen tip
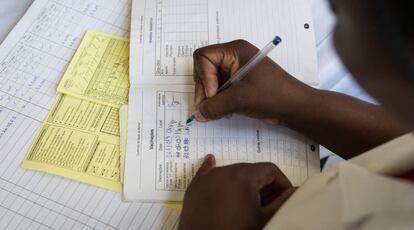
277	40
190	119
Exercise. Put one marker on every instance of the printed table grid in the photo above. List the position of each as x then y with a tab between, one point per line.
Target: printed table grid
230	140
111	125
31	64
112	89
180	29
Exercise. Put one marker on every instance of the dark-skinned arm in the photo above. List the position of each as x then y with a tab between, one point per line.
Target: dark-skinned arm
345	125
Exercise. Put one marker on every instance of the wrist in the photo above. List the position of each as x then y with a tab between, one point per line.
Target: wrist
303	108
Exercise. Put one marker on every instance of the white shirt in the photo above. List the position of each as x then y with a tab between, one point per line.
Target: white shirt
359	194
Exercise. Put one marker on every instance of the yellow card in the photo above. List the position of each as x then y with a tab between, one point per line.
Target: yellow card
79	140
99	70
176	206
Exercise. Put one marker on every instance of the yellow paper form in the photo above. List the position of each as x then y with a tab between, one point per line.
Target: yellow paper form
99	70
80	137
79	140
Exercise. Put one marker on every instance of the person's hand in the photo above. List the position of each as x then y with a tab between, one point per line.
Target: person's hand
268	92
239	196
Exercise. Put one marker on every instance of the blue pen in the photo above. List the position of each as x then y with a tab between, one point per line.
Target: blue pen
242	72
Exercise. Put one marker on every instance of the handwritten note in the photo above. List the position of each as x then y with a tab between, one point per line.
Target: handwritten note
164	153
99	70
123	119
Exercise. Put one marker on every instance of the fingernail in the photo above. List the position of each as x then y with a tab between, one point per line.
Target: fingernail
199	116
207	93
210	92
197	102
209	158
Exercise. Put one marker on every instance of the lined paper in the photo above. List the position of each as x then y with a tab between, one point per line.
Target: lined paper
32	60
164	153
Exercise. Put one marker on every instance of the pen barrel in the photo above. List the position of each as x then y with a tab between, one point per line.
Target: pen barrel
242	72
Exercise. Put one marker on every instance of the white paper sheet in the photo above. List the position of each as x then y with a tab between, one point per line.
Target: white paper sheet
164	34
32	60
163	153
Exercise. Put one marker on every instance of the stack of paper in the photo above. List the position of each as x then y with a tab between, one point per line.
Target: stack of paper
79	138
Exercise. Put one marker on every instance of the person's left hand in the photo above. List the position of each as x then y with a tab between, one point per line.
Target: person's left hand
239	196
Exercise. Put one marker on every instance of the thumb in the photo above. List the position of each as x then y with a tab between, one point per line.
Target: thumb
208	164
223	104
271	208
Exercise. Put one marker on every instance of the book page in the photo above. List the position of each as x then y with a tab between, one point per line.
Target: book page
123	119
99	70
165	33
163	153
78	140
33	59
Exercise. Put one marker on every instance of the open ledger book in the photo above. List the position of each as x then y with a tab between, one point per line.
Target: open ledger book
163	153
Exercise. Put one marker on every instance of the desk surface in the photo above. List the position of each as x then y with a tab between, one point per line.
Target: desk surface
10	13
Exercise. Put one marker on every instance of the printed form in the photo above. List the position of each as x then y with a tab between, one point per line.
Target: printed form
123	119
80	138
163	153
33	58
167	153
98	71
165	33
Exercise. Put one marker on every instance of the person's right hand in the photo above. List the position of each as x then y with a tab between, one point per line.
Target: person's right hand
268	92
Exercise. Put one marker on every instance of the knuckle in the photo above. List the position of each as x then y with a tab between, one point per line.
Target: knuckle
268	166
201	52
244	45
244	48
198	56
241	42
240	171
198	52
